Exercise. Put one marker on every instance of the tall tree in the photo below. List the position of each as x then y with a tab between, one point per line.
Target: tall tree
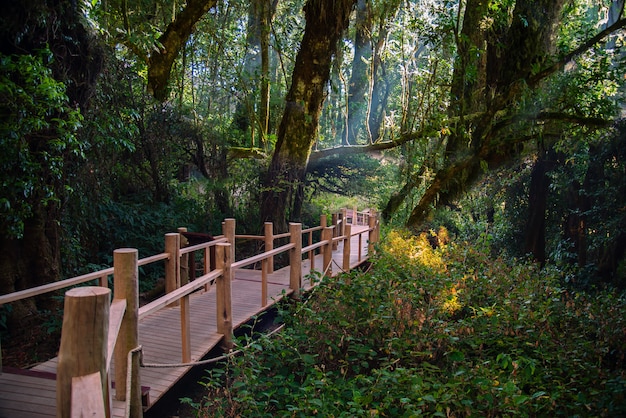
501	62
326	21
359	80
41	99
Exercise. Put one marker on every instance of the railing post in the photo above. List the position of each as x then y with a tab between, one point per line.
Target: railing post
223	297
371	235
184	259
228	229
126	286
344	216
295	258
172	265
269	245
327	235
347	242
83	349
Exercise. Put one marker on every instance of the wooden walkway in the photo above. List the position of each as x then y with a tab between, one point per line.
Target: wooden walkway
32	393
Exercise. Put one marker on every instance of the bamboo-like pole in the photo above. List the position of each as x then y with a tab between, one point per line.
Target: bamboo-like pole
84	338
347	243
269	244
295	258
172	265
327	235
223	297
126	285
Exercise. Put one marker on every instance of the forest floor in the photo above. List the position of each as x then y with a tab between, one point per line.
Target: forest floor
31	345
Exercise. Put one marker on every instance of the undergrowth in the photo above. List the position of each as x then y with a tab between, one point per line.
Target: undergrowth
434	329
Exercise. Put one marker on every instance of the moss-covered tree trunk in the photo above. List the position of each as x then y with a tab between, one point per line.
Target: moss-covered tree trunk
326	20
494	64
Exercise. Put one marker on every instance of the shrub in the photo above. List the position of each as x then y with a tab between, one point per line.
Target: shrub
438	331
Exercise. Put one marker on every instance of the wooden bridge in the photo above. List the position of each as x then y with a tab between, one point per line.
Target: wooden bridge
117	359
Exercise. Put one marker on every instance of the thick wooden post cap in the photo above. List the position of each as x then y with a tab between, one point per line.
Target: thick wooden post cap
125	250
87	291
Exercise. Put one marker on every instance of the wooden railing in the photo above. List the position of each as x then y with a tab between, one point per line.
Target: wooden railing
86	384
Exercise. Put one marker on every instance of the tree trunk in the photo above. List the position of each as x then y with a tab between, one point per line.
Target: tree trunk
535	237
359	81
506	58
326	21
27	27
172	41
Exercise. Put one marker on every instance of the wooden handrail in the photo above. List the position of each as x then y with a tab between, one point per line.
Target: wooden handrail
51	287
202	246
254	237
177	294
152	259
116	314
314	246
260	257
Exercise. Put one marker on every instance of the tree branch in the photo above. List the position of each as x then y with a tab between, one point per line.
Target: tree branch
534	80
172	41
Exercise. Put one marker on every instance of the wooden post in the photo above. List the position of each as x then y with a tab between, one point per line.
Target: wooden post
185	331
172	265
83	349
344	216
185	260
269	245
295	258
223	297
347	243
323	220
126	285
355	216
327	235
228	229
371	235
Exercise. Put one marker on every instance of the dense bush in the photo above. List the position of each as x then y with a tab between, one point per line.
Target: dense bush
435	328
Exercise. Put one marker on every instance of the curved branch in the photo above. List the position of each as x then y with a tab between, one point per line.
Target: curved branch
171	42
576	52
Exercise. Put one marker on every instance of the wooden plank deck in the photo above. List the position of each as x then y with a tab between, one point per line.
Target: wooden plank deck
32	394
